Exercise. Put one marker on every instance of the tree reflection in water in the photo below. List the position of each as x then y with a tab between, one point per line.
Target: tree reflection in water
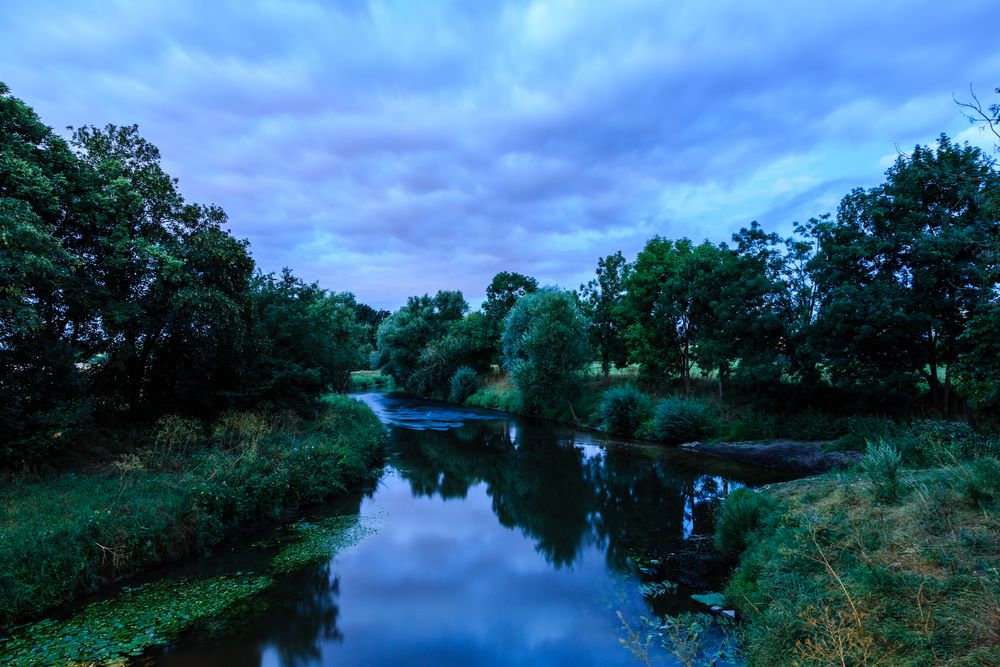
565	494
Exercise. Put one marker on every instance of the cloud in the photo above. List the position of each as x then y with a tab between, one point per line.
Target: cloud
392	148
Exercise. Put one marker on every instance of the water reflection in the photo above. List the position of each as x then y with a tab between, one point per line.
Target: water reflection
565	492
499	541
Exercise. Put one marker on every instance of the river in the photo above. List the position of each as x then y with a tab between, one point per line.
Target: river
491	540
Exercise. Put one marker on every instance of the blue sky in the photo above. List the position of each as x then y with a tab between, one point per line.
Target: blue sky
397	148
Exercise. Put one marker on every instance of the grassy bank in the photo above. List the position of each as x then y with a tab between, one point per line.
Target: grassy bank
65	534
887	565
371	380
711	420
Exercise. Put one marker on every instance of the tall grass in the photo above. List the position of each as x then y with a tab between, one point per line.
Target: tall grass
840	577
64	535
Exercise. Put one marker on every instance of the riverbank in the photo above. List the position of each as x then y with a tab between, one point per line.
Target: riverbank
809	443
67	534
805	457
842	569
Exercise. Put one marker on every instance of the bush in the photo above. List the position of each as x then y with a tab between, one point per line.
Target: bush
680	420
743	513
66	533
862	430
464	383
980	480
881	462
623	409
937	442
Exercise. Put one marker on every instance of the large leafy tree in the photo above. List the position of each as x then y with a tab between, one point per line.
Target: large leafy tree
502	293
905	267
545	348
168	282
651	335
601	301
46	220
305	340
404	336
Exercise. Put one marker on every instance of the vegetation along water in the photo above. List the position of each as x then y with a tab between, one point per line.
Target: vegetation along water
162	396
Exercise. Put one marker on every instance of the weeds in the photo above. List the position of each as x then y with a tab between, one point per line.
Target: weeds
64	535
881	462
840	577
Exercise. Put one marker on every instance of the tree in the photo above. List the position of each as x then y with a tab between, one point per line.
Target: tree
904	269
305	340
45	213
601	301
403	338
501	294
545	348
985	117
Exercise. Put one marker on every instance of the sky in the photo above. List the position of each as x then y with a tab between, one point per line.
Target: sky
396	148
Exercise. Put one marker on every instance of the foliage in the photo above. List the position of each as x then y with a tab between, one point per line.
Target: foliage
111	631
684	637
932	442
306	341
502	293
881	462
122	302
743	514
64	535
845	579
423	343
623	409
678	420
600	301
122	626
464	383
498	394
545	348
905	267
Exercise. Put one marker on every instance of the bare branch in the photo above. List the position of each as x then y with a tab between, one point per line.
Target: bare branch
979	116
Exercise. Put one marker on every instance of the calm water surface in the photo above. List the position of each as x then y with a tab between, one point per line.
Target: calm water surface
494	541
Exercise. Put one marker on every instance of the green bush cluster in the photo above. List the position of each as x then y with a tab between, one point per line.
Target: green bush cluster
881	462
464	383
62	536
623	410
933	442
678	420
741	516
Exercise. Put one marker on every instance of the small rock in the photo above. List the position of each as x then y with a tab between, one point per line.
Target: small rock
715	609
729	612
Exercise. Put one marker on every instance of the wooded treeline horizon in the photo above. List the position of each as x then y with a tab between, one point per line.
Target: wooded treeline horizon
122	302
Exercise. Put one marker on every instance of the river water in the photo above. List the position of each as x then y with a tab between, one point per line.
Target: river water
492	540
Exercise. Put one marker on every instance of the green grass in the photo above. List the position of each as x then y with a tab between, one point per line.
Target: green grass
370	380
839	574
112	630
66	534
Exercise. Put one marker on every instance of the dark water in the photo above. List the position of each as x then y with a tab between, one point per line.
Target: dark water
495	541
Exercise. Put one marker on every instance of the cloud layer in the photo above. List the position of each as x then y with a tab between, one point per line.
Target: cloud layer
393	148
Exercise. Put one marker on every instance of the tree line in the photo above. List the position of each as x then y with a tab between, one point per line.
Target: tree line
120	301
895	297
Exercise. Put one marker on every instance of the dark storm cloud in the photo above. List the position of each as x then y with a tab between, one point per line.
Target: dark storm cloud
391	148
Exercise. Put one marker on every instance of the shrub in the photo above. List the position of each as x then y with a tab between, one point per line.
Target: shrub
980	480
464	383
937	442
623	409
680	420
862	430
881	462
743	513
